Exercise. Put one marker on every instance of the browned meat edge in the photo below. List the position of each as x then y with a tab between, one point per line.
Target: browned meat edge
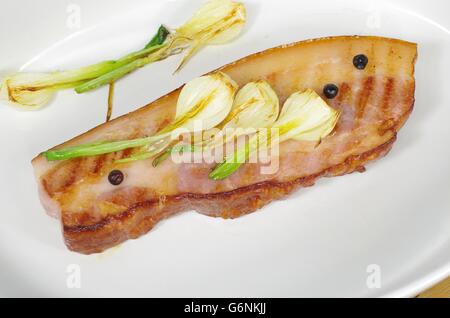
141	217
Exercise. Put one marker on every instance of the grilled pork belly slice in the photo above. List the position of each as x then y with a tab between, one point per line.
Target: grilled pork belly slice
374	102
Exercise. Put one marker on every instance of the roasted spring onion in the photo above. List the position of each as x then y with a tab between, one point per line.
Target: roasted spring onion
256	106
305	116
33	90
203	103
216	22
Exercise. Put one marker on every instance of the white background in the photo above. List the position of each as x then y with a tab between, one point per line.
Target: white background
318	242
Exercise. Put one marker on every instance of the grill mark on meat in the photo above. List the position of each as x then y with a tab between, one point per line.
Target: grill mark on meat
46	187
363	99
343	95
405	96
388	97
346	121
72	174
63	176
66	174
388	89
126	153
99	162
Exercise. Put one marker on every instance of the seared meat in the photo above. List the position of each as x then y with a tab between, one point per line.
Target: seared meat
375	102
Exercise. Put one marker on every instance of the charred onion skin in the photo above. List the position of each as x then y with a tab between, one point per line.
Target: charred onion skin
387	82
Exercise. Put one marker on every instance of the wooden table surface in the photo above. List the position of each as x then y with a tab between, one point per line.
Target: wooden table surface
441	290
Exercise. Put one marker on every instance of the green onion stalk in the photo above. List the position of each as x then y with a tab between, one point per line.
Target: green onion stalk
33	90
216	22
207	99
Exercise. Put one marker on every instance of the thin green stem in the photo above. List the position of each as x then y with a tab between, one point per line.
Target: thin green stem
114	74
231	164
95	149
172	150
240	156
129	62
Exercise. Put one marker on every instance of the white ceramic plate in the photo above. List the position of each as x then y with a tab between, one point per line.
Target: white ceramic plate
321	241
